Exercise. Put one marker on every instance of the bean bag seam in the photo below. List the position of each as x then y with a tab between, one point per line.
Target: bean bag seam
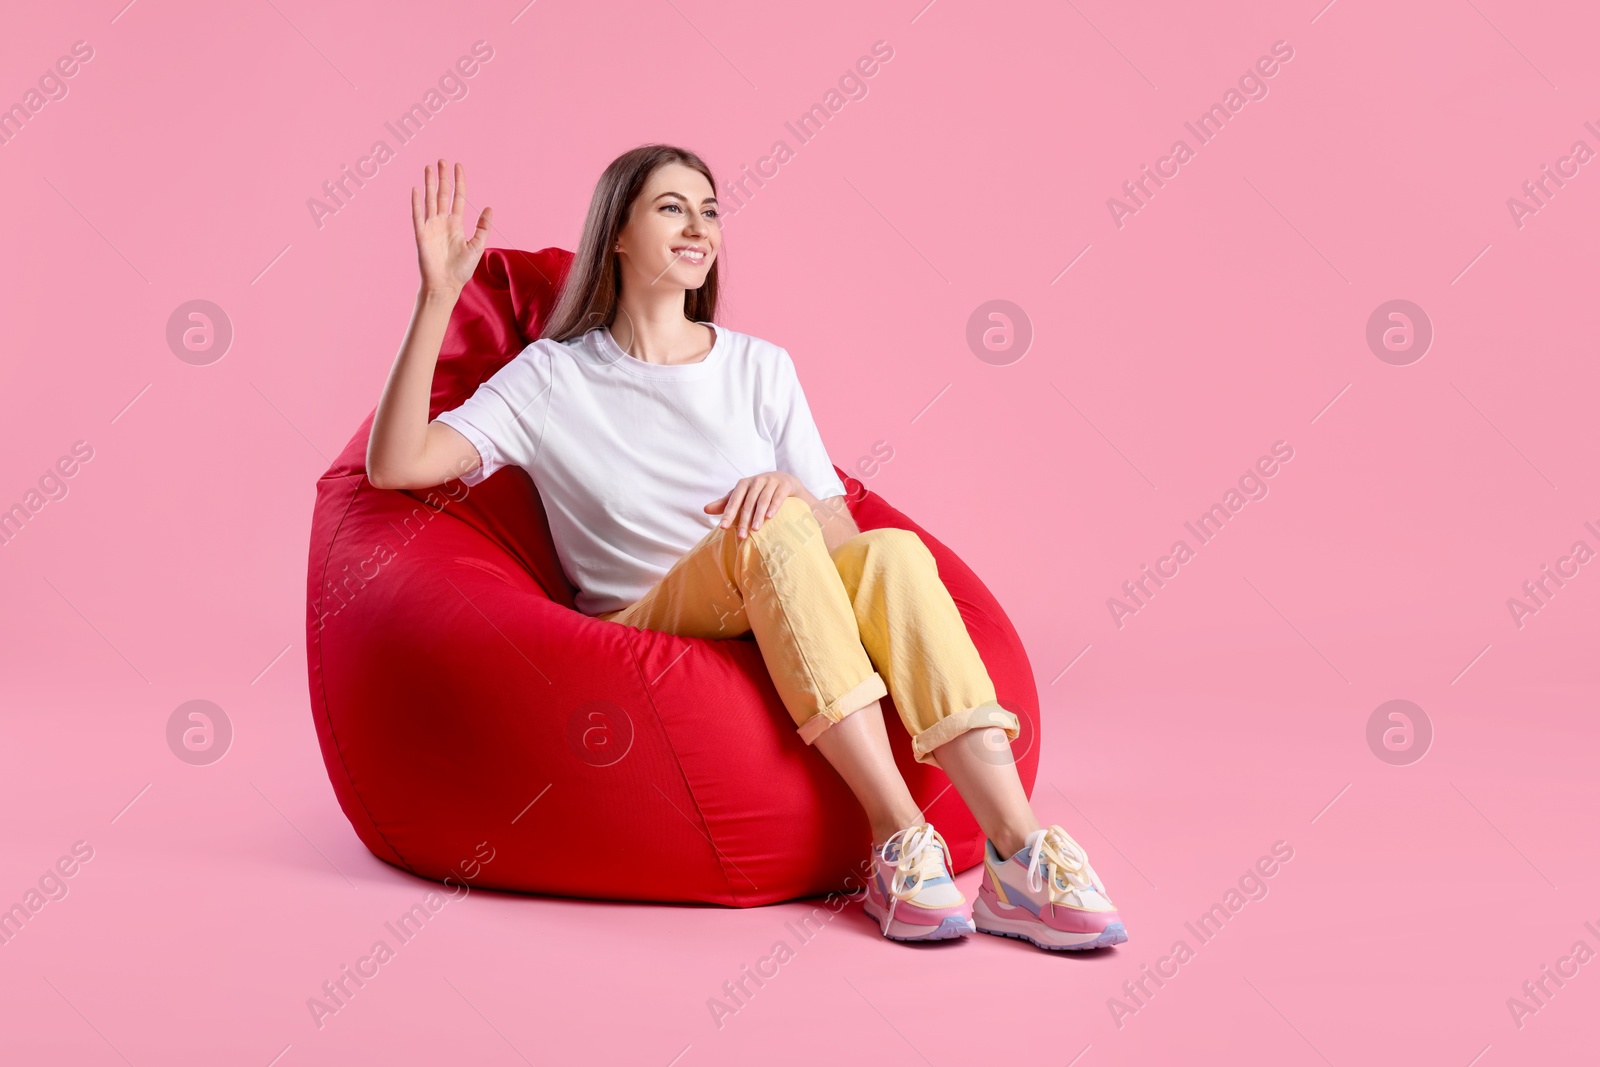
633	654
322	674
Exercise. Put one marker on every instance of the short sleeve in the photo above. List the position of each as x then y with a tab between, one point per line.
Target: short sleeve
795	440
504	417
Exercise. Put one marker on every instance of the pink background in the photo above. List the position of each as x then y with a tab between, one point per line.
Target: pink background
1224	316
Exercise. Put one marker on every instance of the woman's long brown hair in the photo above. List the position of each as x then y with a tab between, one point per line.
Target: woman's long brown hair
589	294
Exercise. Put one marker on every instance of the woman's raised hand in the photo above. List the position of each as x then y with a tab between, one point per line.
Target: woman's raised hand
446	256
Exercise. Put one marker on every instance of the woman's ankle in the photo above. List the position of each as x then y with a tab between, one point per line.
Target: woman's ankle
886	827
1010	839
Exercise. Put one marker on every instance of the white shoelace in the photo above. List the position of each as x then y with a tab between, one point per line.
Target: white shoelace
917	860
1057	855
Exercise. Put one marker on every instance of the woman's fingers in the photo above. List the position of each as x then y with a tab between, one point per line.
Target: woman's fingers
747	510
782	492
730	510
481	234
752	501
437	216
439	197
767	502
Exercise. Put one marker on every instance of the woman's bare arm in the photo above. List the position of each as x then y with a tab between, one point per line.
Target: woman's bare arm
405	450
833	515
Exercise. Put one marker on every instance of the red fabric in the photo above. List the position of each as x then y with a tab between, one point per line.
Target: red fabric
454	684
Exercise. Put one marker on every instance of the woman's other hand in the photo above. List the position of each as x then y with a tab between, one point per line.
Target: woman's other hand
757	498
445	255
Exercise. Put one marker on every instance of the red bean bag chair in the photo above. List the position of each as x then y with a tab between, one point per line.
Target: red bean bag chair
478	728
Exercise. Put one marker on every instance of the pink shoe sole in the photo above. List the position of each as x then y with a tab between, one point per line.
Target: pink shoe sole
1022	924
951	926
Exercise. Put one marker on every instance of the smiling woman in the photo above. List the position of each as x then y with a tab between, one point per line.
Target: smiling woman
654	228
634	411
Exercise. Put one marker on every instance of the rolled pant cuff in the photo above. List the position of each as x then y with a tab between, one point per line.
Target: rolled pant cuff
950	726
856	698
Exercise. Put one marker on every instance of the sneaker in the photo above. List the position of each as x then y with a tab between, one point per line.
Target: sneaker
911	893
1047	894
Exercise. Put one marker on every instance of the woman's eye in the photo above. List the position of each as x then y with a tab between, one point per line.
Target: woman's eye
673	207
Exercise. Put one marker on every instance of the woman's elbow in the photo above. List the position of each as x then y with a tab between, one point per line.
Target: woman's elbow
382	478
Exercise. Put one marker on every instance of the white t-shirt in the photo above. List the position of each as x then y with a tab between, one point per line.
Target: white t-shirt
626	454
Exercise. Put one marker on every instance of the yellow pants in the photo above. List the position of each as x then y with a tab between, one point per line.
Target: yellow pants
824	620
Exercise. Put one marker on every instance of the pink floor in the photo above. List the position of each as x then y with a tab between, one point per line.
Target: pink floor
1432	891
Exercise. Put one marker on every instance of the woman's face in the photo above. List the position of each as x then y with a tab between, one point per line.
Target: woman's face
673	229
